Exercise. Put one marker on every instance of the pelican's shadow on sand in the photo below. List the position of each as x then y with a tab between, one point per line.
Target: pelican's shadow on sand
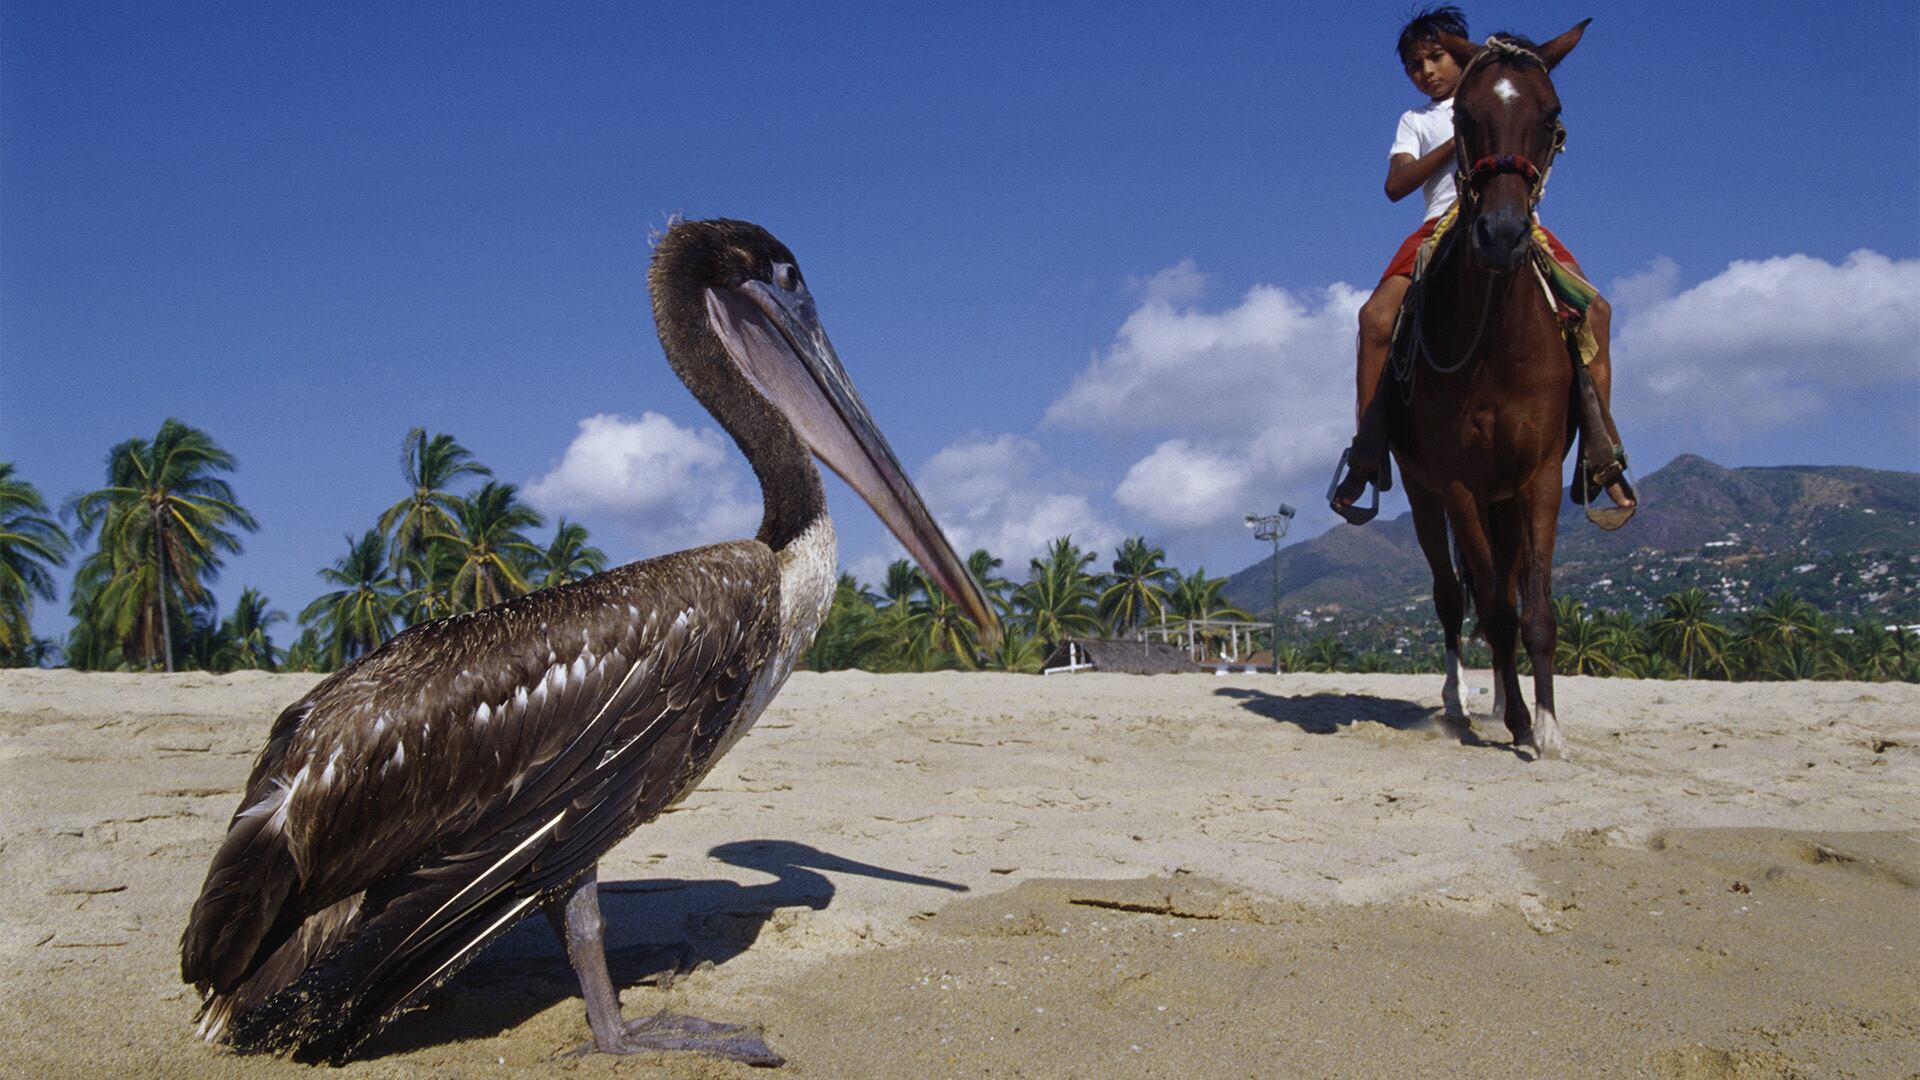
1327	714
669	927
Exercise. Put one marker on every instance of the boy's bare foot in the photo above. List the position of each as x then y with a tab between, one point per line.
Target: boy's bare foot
1608	477
1358	470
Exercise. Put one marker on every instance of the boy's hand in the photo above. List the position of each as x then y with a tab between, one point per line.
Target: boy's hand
1405	173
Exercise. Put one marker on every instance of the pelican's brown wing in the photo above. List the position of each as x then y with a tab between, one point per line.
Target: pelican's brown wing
415	805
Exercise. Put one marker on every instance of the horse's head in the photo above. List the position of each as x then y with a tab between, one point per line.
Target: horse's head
1506	127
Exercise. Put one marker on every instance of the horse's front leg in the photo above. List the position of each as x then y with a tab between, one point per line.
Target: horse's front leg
1449	602
1500	619
1490	575
1539	504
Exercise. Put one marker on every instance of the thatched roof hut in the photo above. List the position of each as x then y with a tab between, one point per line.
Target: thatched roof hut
1125	657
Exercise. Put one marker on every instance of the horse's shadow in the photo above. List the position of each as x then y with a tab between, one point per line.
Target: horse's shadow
1327	714
669	926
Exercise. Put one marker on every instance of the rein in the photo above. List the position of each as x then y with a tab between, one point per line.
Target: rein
1405	361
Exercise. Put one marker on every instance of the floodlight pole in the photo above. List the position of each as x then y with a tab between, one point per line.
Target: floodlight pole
1272	527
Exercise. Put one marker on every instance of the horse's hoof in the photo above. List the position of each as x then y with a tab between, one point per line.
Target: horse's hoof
1549	751
1548	743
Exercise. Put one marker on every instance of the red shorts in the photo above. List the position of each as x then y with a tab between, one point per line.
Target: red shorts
1403	259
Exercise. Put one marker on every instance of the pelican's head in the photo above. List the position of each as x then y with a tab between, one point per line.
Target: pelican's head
735	314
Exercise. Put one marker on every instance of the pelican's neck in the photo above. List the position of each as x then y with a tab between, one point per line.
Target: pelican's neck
791	498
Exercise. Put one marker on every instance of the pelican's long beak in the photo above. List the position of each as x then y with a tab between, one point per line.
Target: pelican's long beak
775	336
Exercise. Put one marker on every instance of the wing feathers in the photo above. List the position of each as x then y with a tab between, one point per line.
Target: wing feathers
414	806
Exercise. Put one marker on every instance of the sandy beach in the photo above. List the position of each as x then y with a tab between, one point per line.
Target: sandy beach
1085	876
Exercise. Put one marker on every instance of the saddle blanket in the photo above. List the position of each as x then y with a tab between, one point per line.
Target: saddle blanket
1569	293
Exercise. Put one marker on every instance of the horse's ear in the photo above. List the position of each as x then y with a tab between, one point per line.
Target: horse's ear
1458	47
1556	50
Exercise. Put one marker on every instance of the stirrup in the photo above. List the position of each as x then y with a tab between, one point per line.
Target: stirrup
1589	486
1355	514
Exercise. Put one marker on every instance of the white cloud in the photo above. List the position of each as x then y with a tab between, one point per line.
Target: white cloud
1181	283
1765	344
1657	282
1274	359
1257	397
665	486
989	493
1180	483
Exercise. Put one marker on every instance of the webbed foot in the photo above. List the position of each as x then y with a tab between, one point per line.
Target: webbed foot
665	1032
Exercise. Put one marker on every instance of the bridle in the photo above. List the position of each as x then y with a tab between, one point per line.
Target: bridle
1469	181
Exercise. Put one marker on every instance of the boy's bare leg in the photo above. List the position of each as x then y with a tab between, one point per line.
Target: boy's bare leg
1600	370
1377	316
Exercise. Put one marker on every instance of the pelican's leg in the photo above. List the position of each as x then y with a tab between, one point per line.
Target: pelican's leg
577	920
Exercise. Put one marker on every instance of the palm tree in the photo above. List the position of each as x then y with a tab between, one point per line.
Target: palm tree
164	520
1016	652
893	619
1426	661
1199	598
1328	654
308	652
1289	658
1057	602
568	557
941	623
1580	646
357	617
1686	632
492	550
1878	653
31	544
92	644
1134	591
1623	643
851	635
426	582
205	640
246	643
1795	659
37	653
1658	665
430	463
1782	621
984	567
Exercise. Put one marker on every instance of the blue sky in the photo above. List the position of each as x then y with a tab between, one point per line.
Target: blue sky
1094	267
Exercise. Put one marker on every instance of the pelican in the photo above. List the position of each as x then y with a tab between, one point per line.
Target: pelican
418	803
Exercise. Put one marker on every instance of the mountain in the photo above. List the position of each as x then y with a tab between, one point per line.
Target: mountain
1846	539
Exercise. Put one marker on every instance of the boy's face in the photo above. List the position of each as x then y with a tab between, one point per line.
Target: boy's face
1432	69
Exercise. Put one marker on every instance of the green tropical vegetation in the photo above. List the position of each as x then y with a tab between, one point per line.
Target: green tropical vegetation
165	520
32	545
364	611
152	540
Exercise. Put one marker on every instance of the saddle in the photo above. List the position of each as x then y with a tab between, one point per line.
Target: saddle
1570	296
1567	292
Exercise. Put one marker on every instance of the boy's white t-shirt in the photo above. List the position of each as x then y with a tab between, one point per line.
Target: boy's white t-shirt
1421	130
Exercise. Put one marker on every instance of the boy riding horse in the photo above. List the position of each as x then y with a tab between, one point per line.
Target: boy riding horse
1422	158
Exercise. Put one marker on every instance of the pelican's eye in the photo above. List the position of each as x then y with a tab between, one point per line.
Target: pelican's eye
786	276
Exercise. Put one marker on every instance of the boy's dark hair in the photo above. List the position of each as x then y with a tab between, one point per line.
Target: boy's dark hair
1427	24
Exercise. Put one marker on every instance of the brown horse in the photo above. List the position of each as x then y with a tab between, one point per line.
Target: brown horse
1482	416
